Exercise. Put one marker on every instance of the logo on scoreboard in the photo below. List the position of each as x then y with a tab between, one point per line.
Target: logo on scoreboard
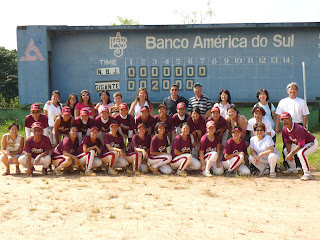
118	43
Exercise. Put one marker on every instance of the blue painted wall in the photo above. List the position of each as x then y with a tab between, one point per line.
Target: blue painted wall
240	57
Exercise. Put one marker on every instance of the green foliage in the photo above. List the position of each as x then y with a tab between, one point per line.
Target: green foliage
11	103
125	21
8	74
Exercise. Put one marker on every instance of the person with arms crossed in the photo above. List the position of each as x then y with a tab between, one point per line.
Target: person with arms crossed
200	100
173	100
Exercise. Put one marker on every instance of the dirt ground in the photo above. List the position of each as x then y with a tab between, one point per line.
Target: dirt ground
158	207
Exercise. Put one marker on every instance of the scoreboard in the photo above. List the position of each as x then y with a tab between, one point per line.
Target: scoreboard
239	57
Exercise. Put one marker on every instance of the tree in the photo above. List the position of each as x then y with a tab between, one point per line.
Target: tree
197	17
8	74
126	21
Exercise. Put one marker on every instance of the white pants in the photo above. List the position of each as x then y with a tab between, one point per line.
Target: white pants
302	155
194	165
44	161
61	161
271	159
135	159
89	160
232	163
210	159
159	160
181	162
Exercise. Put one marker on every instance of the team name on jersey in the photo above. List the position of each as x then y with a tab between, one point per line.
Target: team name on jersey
235	151
293	139
162	149
142	147
210	149
185	150
36	150
115	145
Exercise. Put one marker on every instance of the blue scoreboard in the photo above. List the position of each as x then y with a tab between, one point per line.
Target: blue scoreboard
239	57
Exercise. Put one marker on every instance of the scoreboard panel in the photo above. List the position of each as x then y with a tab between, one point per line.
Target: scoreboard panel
239	57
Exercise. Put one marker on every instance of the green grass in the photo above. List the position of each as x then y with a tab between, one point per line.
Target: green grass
314	159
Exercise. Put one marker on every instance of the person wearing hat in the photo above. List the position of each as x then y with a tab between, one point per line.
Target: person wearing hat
235	153
36	116
141	146
62	125
63	155
209	151
87	151
173	100
36	150
103	121
146	118
163	117
258	117
220	124
113	151
180	117
298	141
263	152
84	122
200	100
126	122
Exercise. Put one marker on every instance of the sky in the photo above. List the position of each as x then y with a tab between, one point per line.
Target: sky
147	12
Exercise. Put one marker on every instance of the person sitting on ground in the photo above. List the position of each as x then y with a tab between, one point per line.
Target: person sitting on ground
62	125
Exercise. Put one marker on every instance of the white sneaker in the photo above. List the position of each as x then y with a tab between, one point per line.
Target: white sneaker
273	175
206	174
290	171
306	176
264	172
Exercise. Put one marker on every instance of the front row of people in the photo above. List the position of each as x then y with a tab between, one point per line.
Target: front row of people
144	154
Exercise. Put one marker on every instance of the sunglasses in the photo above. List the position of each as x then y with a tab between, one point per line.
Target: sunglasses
174	90
85	95
259	130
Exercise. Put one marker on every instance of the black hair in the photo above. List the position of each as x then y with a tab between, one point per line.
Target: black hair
260	108
226	92
234	108
13	124
108	94
174	85
262	90
157	126
197	110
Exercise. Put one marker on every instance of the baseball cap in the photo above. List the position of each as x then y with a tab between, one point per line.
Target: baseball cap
162	105
66	110
215	109
93	128
123	105
84	112
181	105
197	84
141	125
285	115
36	125
114	123
104	109
210	124
35	107
145	108
236	128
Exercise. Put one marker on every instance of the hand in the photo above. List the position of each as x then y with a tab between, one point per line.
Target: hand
37	160
77	161
203	167
218	164
277	130
98	149
122	154
289	157
145	154
29	172
5	152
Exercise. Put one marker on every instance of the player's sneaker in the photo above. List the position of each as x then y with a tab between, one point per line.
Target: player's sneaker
206	174
290	171
182	173
154	170
264	172
89	173
273	175
113	172
306	176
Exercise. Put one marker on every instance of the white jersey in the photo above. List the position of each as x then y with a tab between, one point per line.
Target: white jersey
262	145
53	112
268	111
297	108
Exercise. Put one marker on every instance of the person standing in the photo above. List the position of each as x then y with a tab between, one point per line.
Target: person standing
199	100
172	101
36	116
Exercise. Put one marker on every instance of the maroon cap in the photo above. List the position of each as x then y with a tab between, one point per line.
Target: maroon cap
285	115
93	128
162	105
35	107
181	105
66	110
104	109
210	124
84	112
123	105
236	128
144	108
141	125
114	123
215	109
36	125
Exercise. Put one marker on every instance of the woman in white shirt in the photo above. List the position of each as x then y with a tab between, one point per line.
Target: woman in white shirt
105	101
142	99
52	109
263	151
224	101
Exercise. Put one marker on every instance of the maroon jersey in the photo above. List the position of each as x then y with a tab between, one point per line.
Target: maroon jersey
299	135
200	126
207	146
116	142
103	127
43	119
64	127
158	145
66	146
36	148
177	122
181	145
221	124
87	141
137	142
232	147
149	123
168	122
125	124
84	127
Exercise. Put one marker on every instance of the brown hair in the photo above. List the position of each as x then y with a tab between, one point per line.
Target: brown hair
259	125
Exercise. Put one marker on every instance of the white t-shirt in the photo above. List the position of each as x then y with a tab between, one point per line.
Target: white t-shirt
137	108
266	122
296	107
268	115
262	145
101	106
53	112
223	109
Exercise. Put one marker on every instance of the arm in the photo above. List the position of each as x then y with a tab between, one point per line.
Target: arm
207	114
177	152
305	120
277	125
243	122
37	159
4	145
97	106
159	153
76	113
65	153
86	149
29	171
151	111
144	152
203	165
56	129
229	156
119	150
291	152
131	110
28	132
218	152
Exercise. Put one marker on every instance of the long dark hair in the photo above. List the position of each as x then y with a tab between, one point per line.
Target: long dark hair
226	92
108	94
